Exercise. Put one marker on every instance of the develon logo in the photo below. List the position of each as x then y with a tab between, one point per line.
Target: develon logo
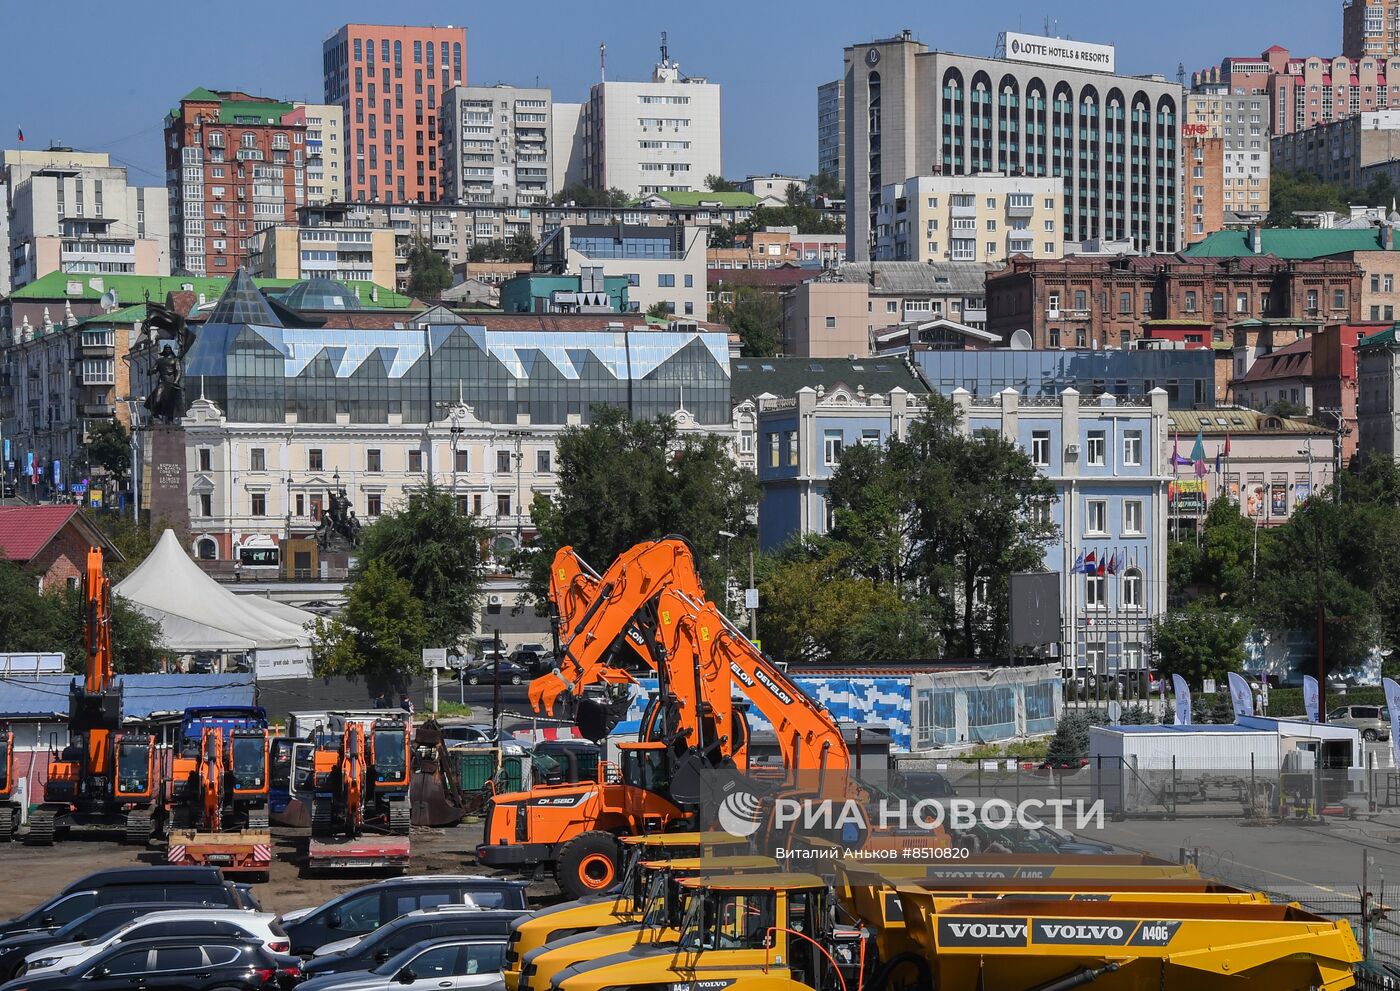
740	814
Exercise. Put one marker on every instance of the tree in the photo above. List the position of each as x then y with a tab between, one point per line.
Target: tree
1070	744
659	310
521	247
580	195
873	507
1200	642
428	272
380	633
622	481
109	446
794	195
138	645
130	537
1285	408
719	184
825	185
756	316
1221	566
483	251
439	552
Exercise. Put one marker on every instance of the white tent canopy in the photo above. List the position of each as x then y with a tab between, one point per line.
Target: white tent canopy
197	613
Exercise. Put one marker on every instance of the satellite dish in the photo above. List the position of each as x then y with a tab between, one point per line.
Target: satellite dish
1020	340
109	301
1115	711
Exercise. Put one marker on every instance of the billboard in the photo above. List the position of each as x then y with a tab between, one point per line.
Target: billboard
1187	495
1058	51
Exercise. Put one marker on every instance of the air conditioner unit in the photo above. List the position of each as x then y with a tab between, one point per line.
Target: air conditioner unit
1072	450
494	600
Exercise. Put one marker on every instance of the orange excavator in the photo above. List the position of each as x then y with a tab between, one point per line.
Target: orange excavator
217	800
103	778
9	808
360	813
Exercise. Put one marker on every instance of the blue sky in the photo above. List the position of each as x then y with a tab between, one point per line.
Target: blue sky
100	77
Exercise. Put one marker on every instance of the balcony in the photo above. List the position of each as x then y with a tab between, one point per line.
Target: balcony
1013	210
970	210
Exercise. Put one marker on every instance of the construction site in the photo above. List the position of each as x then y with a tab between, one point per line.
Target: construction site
683	848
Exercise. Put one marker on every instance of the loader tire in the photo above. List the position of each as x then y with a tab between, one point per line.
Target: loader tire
587	864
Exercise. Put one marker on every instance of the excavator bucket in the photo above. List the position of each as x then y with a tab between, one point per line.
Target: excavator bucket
434	793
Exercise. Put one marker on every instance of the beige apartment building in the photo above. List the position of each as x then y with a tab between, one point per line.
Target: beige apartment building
1225	160
986	217
345	254
325	151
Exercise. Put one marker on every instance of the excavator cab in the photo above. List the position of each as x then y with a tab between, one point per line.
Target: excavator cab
7	740
389	747
136	766
249	764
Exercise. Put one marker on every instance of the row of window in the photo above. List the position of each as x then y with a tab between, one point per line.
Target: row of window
374	504
1130	590
1096	523
374	458
1095	448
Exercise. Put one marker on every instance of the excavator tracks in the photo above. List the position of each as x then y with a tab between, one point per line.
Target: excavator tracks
41	828
138	828
320	818
400	817
9	822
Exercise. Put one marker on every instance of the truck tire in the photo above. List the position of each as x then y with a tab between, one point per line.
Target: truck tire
587	864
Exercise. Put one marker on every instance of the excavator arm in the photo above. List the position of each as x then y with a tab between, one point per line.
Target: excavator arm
587	644
211	779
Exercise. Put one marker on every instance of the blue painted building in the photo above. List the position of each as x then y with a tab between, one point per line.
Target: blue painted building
1105	456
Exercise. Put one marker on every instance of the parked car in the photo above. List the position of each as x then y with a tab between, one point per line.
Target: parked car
366	909
532	657
441	922
233	923
94	925
1372	720
454	963
486	650
459	733
487	671
203	885
206	963
925	784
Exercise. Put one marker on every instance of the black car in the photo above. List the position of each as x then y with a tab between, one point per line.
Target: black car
201	885
208	963
366	909
425	924
488	672
94	925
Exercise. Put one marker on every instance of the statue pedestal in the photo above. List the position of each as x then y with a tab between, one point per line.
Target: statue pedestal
168	499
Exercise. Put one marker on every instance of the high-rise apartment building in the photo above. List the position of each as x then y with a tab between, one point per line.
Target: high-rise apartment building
653	137
1225	160
389	80
1370	27
497	145
1051	107
986	217
831	121
325	151
234	164
73	211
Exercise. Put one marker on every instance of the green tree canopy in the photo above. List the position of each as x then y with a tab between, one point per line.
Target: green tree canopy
622	481
1200	642
585	196
825	184
659	310
719	184
109	445
428	272
756	316
439	552
381	631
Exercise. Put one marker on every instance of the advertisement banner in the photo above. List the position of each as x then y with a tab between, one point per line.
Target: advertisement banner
1310	697
1392	701
1278	499
1253	500
1183	700
1059	51
1240	696
1187	495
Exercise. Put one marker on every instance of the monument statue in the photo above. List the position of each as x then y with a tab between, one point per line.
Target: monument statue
166	331
338	521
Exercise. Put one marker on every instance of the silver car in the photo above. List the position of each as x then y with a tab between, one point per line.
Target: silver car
1372	720
457	963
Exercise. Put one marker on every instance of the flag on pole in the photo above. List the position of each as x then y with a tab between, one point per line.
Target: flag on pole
1227	443
1079	563
1198	455
1113	564
1177	459
1091	566
1219	460
21	134
1102	568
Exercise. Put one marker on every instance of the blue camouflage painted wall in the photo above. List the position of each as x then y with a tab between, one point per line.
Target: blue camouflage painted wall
881	699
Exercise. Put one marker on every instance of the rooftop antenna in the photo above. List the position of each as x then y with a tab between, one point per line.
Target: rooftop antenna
603	62
1181	74
663	48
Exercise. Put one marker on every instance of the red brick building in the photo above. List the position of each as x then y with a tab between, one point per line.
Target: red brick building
1098	302
1334	376
51	542
389	80
235	164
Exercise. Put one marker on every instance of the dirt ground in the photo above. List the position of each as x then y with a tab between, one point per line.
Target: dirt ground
31	875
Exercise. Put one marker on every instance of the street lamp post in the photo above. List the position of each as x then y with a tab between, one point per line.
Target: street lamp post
728	592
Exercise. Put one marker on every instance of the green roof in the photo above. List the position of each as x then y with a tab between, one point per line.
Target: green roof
1375	340
127	314
237	112
135	288
201	94
1287	242
727	200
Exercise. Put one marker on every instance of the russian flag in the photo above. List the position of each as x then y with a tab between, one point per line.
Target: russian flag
21	134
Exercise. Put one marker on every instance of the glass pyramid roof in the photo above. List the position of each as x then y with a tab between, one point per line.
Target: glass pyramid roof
242	303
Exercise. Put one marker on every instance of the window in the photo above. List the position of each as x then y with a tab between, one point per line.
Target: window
502	462
1081	299
374	460
790	436
1190	301
1339	299
314	460
461	461
1132	447
1132	589
131	962
870	436
1095	447
543	461
1242	302
1217	302
1040	448
503	504
205	458
830	322
1390	283
206	504
1096	516
832	442
666	281
1312	300
690	282
415	461
259	504
774	450
1132	516
374	504
1125	302
1096	592
257	459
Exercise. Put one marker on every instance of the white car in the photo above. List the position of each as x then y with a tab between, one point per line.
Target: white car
261	926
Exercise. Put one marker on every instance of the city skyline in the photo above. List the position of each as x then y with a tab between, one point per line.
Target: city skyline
768	64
